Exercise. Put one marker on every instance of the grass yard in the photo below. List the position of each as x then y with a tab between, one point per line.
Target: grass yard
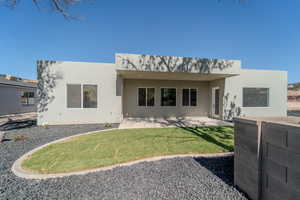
118	146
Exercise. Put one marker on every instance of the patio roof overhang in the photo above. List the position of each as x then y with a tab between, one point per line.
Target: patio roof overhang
134	66
129	74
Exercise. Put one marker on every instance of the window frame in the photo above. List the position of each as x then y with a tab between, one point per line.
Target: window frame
146	96
82	97
189	97
81	93
27	98
176	100
269	103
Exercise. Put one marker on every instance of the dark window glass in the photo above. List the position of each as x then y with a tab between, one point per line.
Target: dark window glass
27	98
189	97
142	97
73	96
150	96
217	101
146	96
168	97
185	97
255	97
193	97
90	96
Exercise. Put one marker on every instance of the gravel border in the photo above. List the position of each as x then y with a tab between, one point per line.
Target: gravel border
176	178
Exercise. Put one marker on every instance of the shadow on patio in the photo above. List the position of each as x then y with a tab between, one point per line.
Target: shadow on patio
152	122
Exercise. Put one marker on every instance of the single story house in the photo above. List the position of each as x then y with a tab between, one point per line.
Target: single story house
147	86
16	95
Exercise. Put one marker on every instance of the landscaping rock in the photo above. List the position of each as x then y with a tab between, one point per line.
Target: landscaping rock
177	178
1	136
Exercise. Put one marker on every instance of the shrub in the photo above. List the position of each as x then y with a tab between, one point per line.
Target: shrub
46	126
107	125
19	137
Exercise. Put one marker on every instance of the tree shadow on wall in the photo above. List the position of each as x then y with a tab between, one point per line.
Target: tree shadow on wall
47	81
231	110
173	64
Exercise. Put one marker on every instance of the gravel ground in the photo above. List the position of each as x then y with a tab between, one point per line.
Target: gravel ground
177	178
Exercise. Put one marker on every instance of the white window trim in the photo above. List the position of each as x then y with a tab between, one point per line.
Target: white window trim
269	102
189	97
160	97
146	96
27	104
81	94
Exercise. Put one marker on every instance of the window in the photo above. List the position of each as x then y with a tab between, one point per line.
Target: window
168	96
81	96
90	96
27	98
74	96
146	96
189	97
255	97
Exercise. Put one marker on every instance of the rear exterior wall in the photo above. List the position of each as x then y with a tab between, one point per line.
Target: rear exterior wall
52	109
276	81
130	99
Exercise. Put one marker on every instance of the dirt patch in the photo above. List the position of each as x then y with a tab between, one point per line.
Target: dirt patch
17	121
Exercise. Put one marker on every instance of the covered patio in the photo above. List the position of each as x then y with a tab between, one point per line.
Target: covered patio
162	91
171	122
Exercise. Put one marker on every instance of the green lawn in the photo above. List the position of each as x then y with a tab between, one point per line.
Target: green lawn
119	146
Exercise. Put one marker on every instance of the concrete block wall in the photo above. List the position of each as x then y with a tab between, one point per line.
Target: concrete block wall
281	161
267	158
246	157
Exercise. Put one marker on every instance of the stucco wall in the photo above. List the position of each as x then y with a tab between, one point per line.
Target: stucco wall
53	80
276	81
118	97
220	84
131	108
10	100
156	63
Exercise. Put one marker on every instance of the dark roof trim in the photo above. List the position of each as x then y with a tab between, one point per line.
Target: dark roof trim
16	85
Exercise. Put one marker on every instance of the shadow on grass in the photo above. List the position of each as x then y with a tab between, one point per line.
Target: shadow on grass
212	134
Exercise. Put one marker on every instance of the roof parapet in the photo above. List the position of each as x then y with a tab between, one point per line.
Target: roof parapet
135	62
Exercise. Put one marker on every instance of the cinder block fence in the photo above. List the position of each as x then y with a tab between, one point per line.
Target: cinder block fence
267	158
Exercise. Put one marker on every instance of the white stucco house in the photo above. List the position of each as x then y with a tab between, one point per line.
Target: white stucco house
147	86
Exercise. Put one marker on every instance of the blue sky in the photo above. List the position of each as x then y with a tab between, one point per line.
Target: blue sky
263	34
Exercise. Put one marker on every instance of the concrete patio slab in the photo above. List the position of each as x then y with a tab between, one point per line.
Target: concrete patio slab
171	122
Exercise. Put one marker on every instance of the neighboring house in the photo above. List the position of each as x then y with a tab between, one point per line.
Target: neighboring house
294	96
17	95
156	86
294	92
